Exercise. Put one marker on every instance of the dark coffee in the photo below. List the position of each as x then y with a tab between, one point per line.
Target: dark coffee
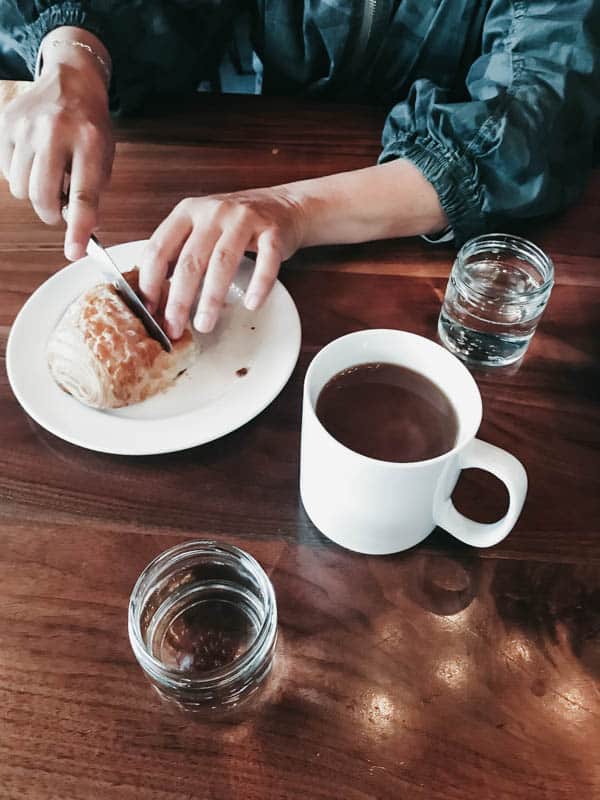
388	412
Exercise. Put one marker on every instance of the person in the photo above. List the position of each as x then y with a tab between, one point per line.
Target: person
492	106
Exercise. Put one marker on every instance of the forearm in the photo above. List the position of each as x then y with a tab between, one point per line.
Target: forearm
380	202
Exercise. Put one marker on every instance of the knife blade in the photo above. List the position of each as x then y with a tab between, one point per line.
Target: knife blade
99	254
96	251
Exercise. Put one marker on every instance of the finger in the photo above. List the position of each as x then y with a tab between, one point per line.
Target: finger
7	148
87	178
268	262
187	276
46	183
162	248
20	169
224	261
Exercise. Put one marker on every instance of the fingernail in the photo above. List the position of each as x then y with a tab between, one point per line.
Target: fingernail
74	251
252	301
205	321
174	329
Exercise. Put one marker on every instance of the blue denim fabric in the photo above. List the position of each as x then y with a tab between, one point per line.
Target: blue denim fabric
497	102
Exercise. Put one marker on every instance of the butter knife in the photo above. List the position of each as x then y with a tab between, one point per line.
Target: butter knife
98	253
110	269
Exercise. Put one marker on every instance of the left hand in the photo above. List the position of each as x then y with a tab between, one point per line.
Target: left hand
207	237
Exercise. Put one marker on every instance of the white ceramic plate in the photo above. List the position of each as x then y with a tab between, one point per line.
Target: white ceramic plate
208	401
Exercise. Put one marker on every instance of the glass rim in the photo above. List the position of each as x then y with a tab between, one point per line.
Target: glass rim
507	241
219	677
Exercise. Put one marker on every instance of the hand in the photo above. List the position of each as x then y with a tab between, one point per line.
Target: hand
206	237
60	127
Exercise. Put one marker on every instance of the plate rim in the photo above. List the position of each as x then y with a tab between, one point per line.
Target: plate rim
136	448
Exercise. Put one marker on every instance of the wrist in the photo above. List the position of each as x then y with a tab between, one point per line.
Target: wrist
78	49
303	206
325	210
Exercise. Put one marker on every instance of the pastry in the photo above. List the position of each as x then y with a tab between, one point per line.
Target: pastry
101	353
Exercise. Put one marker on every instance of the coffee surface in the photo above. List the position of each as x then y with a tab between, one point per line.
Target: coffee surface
388	412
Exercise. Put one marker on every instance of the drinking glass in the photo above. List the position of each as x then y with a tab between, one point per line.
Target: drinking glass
203	626
498	289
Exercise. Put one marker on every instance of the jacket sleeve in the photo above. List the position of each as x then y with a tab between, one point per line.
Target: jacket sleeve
520	143
26	23
156	46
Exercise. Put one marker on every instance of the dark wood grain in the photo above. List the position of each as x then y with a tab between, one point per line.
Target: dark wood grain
443	672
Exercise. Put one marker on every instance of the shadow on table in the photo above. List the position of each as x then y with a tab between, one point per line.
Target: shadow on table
552	604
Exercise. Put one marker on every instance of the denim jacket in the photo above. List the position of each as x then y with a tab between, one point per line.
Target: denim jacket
495	101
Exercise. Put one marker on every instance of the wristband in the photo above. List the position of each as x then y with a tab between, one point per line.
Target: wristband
39	63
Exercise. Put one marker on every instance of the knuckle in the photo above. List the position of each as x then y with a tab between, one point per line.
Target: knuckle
246	216
55	120
48	129
191	265
86	197
229	208
223	256
11	114
185	206
226	204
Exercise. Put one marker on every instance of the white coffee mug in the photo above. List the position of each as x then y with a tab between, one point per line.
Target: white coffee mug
379	507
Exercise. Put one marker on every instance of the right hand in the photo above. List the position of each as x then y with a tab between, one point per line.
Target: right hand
59	133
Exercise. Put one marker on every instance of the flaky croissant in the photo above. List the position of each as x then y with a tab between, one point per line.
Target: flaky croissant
101	353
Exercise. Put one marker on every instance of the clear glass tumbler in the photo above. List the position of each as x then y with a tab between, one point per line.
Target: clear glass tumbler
498	289
203	626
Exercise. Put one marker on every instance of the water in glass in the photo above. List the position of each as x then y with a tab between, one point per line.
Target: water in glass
497	292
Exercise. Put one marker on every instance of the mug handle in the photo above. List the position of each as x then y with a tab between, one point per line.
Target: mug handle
510	471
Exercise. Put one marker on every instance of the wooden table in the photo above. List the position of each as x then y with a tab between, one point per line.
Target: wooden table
443	672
